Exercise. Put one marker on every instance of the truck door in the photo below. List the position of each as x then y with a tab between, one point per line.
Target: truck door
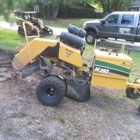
126	29
137	39
109	28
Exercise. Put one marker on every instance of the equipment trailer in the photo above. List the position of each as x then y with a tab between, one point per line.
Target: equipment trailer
64	74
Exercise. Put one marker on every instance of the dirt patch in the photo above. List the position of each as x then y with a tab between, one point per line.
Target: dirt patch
107	115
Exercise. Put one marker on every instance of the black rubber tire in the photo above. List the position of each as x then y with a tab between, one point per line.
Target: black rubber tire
20	30
90	37
130	94
139	108
51	91
47	31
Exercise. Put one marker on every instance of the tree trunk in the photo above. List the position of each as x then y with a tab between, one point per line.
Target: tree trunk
55	9
55	12
43	11
48	11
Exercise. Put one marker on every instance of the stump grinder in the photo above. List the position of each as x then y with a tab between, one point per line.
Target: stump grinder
65	74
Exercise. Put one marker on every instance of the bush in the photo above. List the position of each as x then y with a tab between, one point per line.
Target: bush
66	11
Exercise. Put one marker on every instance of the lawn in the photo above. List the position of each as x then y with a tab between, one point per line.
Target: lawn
64	23
11	19
9	39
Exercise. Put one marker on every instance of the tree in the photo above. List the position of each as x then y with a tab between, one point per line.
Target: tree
52	6
113	5
49	6
5	7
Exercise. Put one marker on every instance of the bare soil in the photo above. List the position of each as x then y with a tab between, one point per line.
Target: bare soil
107	115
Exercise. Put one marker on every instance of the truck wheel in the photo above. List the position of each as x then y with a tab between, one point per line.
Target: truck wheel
90	37
130	94
51	91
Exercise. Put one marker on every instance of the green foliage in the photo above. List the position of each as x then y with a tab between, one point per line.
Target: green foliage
51	7
75	12
97	6
10	39
113	5
51	2
5	7
8	6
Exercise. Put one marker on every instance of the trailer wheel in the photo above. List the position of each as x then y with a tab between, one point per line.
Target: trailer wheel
51	91
139	108
130	94
90	37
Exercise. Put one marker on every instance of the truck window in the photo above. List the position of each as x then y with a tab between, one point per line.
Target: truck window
112	19
127	19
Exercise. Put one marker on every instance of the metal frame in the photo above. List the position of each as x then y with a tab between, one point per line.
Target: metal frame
27	37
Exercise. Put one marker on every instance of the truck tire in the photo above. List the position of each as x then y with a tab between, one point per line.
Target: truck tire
90	37
130	94
51	91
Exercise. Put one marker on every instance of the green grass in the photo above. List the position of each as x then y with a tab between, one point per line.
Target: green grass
135	72
10	20
2	18
76	22
10	39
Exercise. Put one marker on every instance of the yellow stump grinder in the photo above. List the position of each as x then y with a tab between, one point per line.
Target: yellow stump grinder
65	74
